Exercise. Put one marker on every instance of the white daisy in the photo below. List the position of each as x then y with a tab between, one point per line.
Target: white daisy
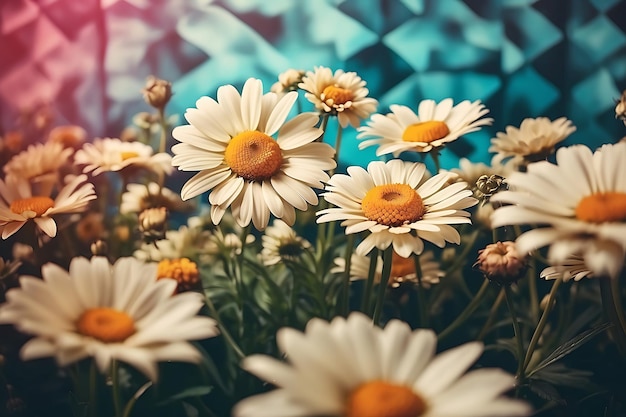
395	203
434	125
534	140
107	312
580	201
280	241
342	94
573	267
230	142
112	154
188	241
350	368
287	81
139	197
40	164
18	204
402	269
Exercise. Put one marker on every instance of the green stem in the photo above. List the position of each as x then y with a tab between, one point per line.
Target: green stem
465	314
224	331
117	403
323	126
492	315
337	147
131	403
434	154
508	296
462	257
164	128
93	389
613	311
421	296
369	284
541	325
382	287
532	291
345	301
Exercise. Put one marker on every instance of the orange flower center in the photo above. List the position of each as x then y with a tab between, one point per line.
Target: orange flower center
183	270
253	155
602	208
106	324
401	267
128	155
425	131
37	204
382	399
393	205
334	95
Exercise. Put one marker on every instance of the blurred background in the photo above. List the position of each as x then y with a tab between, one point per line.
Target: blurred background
86	61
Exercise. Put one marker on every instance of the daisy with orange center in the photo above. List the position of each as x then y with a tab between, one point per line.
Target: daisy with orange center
108	312
581	203
183	270
434	125
18	204
398	206
230	142
342	94
351	368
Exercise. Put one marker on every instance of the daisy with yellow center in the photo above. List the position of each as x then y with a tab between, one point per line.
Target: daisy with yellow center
230	142
342	94
581	203
112	154
533	141
434	125
402	269
280	242
396	203
139	197
183	270
350	368
108	312
19	204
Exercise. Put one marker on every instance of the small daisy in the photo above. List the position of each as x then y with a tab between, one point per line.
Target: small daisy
287	81
18	204
188	241
573	267
39	164
280	242
108	312
402	269
534	140
395	203
112	154
580	201
350	368
230	143
342	94
139	197
434	125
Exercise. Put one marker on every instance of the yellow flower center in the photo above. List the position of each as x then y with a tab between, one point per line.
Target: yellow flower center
37	204
382	399
128	155
393	205
401	267
425	131
253	155
602	208
106	324
338	95
183	270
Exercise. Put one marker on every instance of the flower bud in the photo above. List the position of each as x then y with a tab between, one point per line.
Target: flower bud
500	262
153	223
488	185
157	92
99	248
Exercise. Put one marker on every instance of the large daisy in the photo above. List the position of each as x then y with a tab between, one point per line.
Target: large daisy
342	94
393	201
534	140
434	125
112	154
350	368
581	203
108	312
18	204
230	142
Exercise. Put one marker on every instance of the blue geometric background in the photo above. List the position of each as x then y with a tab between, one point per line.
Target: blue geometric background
523	58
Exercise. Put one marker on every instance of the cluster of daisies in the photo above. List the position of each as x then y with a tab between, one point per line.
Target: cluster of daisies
259	162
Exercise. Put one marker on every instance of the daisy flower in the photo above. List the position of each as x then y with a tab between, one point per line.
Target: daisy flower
108	312
230	142
112	154
402	269
70	136
139	197
188	241
581	203
350	368
534	140
280	242
287	81
393	201
18	204
342	94
434	125
573	267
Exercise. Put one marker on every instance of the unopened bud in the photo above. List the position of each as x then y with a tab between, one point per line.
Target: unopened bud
488	185
500	262
157	92
99	248
153	223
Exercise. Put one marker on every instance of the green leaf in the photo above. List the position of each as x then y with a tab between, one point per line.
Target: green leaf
191	392
546	391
